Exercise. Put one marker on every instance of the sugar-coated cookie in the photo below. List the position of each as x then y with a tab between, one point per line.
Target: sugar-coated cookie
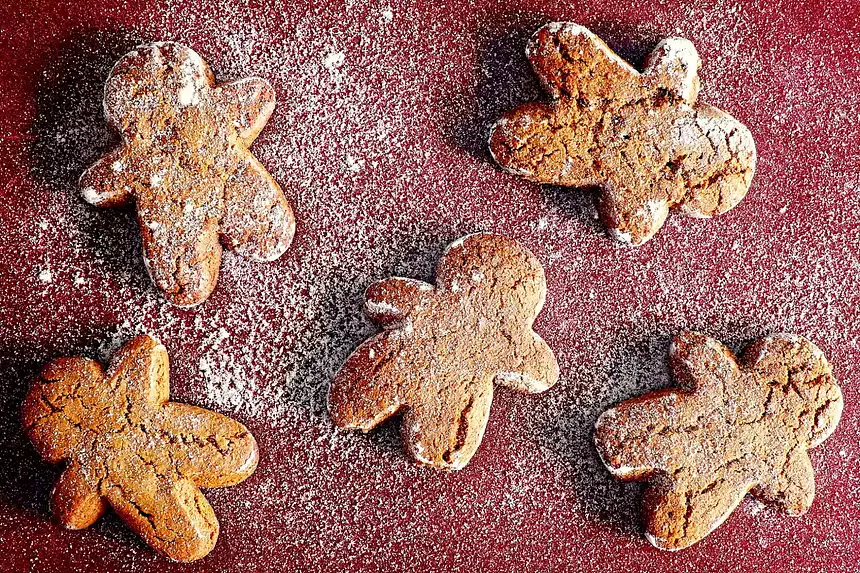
125	445
641	138
730	428
184	161
443	348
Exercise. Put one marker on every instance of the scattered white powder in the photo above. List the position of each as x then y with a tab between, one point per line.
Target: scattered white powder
333	60
352	164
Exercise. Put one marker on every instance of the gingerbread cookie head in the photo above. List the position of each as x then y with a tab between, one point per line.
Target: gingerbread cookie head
443	348
729	429
184	161
125	445
641	138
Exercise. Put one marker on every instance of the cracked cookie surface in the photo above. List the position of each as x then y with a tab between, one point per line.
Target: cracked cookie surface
443	348
641	138
125	445
730	429
184	161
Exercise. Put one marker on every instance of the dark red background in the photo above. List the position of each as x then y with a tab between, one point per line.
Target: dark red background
412	100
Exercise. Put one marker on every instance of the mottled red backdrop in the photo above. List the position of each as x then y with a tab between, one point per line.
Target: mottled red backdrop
378	140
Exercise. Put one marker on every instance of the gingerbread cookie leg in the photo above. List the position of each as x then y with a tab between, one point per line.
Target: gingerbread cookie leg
627	219
677	517
366	389
100	185
175	520
258	221
182	262
76	502
446	435
791	489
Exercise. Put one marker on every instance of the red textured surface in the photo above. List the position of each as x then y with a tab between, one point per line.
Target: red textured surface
534	497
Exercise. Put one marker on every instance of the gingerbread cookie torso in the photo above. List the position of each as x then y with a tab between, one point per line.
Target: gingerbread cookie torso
125	445
730	429
443	347
641	138
185	162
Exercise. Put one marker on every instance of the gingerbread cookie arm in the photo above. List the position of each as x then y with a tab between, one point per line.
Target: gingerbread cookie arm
109	182
623	436
175	518
444	434
530	142
699	362
367	390
258	221
213	450
53	407
572	62
75	501
391	301
142	367
674	66
247	104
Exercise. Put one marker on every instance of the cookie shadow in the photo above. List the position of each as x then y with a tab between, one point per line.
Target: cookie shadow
25	480
70	133
637	366
503	80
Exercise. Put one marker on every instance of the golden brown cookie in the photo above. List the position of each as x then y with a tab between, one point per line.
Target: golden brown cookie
443	347
125	445
641	138
185	162
729	429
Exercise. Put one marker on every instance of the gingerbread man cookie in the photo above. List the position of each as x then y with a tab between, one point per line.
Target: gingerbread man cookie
125	445
185	162
641	138
731	428
443	348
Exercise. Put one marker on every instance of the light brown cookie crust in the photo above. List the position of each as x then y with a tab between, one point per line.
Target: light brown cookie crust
125	445
641	138
729	429
443	347
184	161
